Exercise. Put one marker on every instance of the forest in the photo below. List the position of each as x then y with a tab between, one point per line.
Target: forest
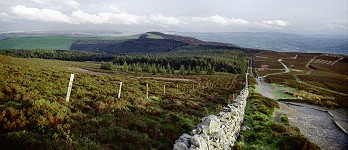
190	62
58	54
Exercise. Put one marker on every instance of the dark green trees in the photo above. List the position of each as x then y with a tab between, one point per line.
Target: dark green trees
106	65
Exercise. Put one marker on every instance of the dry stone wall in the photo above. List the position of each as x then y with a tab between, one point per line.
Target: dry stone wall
217	131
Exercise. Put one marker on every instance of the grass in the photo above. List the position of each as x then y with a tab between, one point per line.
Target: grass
153	36
54	42
57	42
34	114
265	132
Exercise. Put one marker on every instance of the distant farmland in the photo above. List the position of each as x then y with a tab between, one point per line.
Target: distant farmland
55	42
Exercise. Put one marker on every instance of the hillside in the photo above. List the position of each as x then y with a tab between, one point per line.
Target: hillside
147	44
34	114
150	42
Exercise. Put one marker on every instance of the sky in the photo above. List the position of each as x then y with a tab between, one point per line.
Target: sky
290	16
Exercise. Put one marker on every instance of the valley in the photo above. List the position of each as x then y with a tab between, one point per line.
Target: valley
169	83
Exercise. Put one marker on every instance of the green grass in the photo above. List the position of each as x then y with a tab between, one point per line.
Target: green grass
34	114
57	42
153	36
53	42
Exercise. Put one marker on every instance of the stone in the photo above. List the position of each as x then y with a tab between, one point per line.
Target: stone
180	146
217	131
184	139
195	141
210	124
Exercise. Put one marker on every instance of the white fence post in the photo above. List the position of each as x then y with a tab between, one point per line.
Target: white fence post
119	91
69	87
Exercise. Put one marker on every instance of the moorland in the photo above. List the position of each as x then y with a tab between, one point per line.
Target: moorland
186	79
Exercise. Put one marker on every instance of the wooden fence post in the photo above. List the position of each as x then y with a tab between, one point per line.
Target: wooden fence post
147	90
69	87
177	89
119	91
193	87
164	89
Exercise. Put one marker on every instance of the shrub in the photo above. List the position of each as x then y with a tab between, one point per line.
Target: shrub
106	65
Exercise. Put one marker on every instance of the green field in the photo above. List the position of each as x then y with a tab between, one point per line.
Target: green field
53	42
57	42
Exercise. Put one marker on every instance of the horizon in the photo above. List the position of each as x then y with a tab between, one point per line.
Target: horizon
294	17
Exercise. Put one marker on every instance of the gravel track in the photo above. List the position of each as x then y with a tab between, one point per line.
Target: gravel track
316	125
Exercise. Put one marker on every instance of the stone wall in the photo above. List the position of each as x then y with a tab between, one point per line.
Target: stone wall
217	131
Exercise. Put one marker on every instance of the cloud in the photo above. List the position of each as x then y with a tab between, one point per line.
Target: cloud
4	17
163	20
70	3
117	16
220	20
106	18
40	1
44	15
280	23
122	17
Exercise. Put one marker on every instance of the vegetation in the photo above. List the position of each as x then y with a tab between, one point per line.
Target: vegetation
58	54
53	42
319	84
192	62
34	114
106	65
57	42
265	132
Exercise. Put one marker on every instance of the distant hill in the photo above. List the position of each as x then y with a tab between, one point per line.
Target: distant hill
112	43
279	41
144	44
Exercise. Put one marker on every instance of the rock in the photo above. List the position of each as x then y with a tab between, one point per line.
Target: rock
210	124
217	132
184	139
180	146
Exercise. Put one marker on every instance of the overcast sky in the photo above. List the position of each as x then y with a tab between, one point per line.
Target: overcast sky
292	16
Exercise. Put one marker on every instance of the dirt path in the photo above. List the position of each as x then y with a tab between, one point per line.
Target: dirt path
169	79
316	125
84	70
286	68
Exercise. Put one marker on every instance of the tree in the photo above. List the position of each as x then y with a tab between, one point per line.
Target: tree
182	69
169	68
125	66
189	70
106	65
198	70
210	70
